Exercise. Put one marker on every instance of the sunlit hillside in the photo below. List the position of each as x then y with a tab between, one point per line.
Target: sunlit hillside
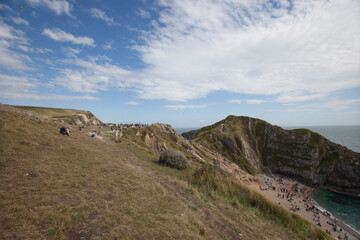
79	187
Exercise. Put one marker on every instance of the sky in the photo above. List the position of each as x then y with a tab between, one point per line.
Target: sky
184	62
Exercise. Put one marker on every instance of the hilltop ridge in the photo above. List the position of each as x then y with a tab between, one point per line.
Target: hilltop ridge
256	145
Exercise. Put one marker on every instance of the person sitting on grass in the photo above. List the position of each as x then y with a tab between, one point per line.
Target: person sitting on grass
64	131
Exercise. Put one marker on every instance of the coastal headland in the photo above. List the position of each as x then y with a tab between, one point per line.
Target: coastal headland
109	185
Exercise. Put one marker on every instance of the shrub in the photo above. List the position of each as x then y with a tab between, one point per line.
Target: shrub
175	159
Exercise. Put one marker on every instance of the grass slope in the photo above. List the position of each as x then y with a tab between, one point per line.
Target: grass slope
78	187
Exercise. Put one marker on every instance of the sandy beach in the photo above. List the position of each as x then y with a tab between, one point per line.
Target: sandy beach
292	196
296	198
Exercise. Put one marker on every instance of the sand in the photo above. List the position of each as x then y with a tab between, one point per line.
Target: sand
301	196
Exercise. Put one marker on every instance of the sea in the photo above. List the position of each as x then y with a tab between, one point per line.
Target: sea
343	207
182	130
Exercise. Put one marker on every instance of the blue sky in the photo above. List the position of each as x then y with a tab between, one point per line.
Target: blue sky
183	62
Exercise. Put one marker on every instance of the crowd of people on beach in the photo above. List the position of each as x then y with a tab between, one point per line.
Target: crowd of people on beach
336	229
298	197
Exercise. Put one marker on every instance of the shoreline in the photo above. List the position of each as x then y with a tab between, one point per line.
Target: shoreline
340	223
296	197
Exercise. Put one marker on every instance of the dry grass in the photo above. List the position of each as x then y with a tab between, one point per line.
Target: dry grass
60	187
223	186
77	187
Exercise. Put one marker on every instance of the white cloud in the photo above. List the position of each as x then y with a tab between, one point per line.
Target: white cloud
19	21
58	6
65	98
9	33
11	38
23	88
238	101
59	35
4	6
43	51
298	96
333	105
142	13
99	14
94	75
25	48
13	86
197	47
13	60
182	107
108	45
133	103
71	52
254	101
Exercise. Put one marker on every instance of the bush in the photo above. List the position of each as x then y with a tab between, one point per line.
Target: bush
174	159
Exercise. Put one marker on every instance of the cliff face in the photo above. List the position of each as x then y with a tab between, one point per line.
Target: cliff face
301	154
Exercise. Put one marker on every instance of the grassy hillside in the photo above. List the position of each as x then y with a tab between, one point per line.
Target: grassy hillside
78	187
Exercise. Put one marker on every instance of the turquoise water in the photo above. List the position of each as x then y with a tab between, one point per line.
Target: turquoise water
341	206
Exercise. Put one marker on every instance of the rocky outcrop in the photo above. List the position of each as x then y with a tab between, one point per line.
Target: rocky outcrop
154	143
160	137
301	154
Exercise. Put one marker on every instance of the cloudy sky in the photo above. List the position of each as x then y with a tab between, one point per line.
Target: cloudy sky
184	62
